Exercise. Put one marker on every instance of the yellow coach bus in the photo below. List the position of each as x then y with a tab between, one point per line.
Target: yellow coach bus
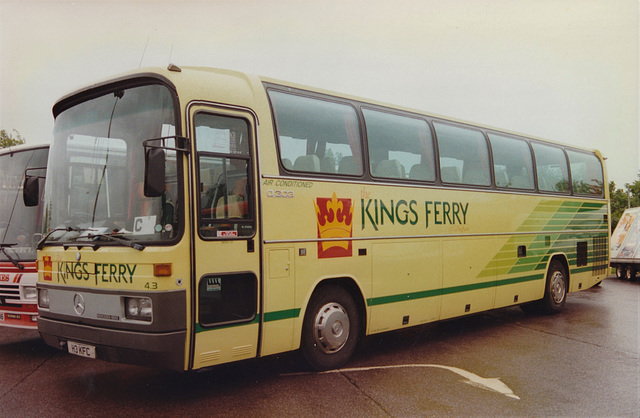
200	216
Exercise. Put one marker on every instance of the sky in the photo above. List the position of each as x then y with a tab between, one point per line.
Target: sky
563	70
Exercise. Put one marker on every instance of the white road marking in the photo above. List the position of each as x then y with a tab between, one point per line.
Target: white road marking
493	384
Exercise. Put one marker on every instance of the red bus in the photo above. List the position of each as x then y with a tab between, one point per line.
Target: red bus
20	231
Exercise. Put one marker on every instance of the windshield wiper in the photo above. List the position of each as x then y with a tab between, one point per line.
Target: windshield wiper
15	262
93	236
118	239
66	229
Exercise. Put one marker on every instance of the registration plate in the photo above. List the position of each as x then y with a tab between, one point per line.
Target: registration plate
82	350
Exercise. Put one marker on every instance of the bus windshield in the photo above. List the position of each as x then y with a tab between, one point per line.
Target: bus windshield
97	161
19	225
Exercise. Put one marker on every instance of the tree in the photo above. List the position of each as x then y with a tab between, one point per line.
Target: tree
7	139
634	190
618	199
621	199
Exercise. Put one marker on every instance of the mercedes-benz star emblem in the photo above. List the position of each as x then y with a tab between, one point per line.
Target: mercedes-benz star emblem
78	303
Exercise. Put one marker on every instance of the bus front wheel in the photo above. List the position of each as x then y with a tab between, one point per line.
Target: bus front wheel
331	328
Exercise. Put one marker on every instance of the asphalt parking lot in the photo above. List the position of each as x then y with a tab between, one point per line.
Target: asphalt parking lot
582	362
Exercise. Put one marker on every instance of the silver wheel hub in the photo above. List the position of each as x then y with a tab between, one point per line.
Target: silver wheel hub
558	287
331	328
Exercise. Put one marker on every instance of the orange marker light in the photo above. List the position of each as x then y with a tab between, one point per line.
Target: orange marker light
162	270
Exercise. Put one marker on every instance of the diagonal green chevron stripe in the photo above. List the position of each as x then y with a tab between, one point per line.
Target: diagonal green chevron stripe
550	215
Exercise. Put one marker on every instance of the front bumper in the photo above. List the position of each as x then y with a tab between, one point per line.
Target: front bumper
161	350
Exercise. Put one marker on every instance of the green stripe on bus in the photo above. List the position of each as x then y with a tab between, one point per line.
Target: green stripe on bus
550	216
383	300
582	270
268	316
279	315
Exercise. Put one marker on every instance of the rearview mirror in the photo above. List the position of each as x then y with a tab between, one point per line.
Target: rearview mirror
31	191
154	172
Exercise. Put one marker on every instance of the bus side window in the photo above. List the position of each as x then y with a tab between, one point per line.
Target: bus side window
463	151
551	167
400	147
586	173
227	298
316	135
512	163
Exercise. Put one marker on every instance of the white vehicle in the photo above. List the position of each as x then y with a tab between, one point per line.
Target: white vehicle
625	245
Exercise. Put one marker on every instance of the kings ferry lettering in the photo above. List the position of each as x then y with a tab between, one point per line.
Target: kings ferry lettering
102	272
376	213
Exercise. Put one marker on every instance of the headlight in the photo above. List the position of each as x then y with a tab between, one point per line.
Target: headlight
43	298
138	308
29	292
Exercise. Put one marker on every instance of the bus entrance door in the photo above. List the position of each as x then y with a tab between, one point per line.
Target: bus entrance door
227	264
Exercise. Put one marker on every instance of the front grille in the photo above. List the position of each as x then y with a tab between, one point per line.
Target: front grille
9	293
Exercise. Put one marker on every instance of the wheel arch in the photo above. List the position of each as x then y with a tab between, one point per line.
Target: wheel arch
562	259
348	283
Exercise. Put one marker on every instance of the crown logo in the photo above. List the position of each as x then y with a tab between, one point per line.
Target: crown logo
47	267
334	218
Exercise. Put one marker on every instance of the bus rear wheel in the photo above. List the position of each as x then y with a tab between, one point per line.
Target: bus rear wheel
630	273
555	292
330	329
620	272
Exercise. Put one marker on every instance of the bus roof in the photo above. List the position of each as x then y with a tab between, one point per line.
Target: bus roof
22	147
245	87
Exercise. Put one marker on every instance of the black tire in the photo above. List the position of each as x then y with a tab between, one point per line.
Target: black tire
555	292
620	272
557	286
331	328
630	274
